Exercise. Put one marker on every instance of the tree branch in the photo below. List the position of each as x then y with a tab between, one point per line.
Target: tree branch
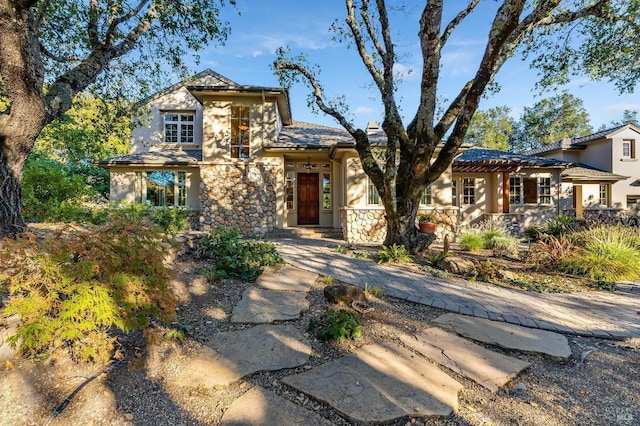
456	21
370	30
92	27
352	23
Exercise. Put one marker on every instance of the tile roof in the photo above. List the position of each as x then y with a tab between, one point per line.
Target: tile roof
494	156
582	172
156	157
301	134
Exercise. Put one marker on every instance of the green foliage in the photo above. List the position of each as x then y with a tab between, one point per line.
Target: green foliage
237	257
604	261
485	271
179	332
544	285
471	241
561	225
72	289
435	259
505	246
45	186
375	291
341	325
394	254
327	279
340	249
550	120
361	255
491	128
169	219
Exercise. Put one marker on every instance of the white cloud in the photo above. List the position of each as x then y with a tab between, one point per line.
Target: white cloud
404	73
257	53
362	110
622	107
458	62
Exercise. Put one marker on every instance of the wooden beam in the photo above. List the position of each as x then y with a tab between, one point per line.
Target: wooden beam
505	192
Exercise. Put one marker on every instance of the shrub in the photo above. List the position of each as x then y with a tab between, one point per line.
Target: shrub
549	251
505	245
490	236
375	291
561	225
71	289
604	262
394	254
169	219
341	325
486	271
471	241
237	257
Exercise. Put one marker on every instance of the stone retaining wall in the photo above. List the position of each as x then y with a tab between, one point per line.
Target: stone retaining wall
370	225
239	195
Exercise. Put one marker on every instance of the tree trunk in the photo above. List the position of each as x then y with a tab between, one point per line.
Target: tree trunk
402	230
11	220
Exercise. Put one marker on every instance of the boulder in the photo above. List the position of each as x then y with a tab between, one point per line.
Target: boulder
457	265
344	293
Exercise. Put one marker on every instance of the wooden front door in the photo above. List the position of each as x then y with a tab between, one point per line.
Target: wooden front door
308	199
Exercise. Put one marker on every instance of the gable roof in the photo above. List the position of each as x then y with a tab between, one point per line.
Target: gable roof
580	142
484	160
206	76
583	173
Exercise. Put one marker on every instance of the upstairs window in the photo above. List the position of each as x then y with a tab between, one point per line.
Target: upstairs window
240	139
178	128
628	149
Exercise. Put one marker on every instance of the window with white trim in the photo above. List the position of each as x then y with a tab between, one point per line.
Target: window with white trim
515	190
373	198
603	192
425	199
179	127
240	134
161	188
544	190
628	149
468	191
289	184
326	191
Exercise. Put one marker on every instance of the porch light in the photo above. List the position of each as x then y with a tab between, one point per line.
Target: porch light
308	166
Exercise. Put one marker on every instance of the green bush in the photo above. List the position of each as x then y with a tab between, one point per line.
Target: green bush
72	289
485	271
505	245
608	254
561	225
394	254
169	219
237	257
490	236
471	241
341	325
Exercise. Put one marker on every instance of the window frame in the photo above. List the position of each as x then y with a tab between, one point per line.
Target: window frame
426	199
236	125
373	198
603	194
468	189
519	194
545	191
180	189
181	126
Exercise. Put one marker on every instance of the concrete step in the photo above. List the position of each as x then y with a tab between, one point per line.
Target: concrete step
315	232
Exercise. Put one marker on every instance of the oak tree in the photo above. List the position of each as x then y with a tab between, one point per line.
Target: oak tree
429	141
52	50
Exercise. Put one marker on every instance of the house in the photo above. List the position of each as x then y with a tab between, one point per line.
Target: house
520	190
234	156
609	183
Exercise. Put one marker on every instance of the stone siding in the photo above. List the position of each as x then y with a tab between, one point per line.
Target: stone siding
370	225
239	195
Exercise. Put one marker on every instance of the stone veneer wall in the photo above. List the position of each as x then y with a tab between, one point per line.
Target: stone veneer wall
239	195
370	225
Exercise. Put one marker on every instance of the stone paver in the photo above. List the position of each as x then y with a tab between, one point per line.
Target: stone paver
507	335
259	407
263	306
380	383
229	356
288	278
602	314
487	368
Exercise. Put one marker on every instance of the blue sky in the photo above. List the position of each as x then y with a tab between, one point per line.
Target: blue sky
304	25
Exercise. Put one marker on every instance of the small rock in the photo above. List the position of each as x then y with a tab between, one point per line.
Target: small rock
344	293
456	265
128	416
518	389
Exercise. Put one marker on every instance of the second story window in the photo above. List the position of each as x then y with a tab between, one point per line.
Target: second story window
628	149
178	128
240	138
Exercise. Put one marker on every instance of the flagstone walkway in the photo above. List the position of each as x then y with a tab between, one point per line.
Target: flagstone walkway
594	314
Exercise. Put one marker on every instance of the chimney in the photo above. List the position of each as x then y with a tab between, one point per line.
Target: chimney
373	127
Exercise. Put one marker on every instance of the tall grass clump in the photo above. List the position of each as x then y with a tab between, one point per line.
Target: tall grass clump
471	241
609	254
73	288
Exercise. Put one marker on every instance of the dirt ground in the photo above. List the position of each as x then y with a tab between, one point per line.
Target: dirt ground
599	385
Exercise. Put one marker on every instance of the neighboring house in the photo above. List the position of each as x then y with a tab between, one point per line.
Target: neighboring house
518	190
233	155
610	182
